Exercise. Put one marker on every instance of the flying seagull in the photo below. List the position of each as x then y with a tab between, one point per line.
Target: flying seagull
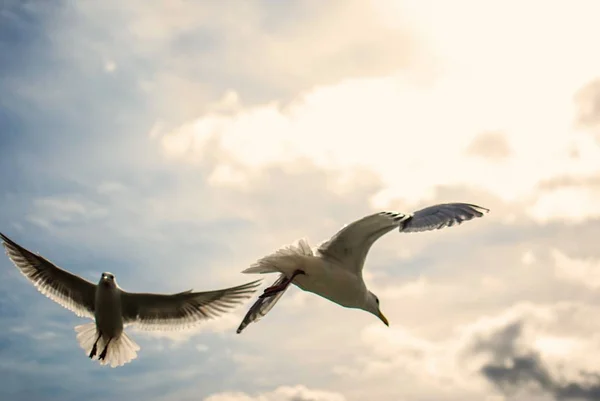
112	308
333	269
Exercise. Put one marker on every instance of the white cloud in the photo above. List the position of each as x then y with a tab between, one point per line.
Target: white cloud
59	209
574	204
415	136
283	393
110	66
585	272
386	126
110	187
528	258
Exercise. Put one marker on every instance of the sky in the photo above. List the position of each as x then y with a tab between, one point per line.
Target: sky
174	143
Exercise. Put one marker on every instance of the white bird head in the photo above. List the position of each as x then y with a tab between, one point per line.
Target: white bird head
108	279
372	306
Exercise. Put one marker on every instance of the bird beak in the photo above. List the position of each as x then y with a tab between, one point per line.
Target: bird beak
383	319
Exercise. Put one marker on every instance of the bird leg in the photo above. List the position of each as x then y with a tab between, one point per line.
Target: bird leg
275	289
103	353
94	349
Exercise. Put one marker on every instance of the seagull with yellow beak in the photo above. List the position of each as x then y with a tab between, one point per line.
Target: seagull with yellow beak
333	270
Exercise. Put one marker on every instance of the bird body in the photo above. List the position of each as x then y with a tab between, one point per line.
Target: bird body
108	312
333	269
111	308
322	276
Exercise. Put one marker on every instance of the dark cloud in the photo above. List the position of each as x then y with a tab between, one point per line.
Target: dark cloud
490	145
514	369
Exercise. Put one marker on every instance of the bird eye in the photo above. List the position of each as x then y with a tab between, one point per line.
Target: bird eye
377	300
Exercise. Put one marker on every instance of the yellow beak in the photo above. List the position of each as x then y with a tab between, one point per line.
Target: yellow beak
383	319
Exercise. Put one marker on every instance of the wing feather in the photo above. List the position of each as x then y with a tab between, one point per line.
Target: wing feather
440	216
181	310
66	289
350	245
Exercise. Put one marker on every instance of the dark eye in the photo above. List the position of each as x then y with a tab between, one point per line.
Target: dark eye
377	300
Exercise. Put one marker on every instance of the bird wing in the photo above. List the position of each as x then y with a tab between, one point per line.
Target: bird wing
440	216
181	310
262	306
64	288
350	245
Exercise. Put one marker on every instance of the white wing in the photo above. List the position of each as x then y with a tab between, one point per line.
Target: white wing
440	216
64	288
350	245
182	310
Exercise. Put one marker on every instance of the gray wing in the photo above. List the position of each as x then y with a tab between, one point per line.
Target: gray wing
349	246
440	216
64	288
182	310
262	306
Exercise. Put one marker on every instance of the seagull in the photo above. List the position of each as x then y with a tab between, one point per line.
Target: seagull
111	307
333	270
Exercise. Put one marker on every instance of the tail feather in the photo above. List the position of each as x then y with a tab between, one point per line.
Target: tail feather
120	351
284	260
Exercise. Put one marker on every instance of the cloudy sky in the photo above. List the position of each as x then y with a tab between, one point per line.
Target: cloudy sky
175	142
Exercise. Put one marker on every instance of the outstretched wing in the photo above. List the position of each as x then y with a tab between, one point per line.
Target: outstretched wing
182	310
349	246
64	288
440	216
262	306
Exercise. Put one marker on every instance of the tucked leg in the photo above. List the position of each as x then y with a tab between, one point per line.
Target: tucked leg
103	353
269	292
94	348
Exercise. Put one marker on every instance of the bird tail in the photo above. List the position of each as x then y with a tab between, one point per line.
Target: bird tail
284	260
120	350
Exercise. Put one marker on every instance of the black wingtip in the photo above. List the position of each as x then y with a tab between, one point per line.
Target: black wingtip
485	209
7	242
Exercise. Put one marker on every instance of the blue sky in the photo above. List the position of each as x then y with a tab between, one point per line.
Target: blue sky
173	143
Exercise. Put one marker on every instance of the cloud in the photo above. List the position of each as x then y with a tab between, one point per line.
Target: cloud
389	138
588	102
283	393
222	134
585	272
490	145
49	210
517	370
169	48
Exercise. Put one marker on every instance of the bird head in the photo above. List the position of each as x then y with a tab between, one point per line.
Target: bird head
372	306
108	279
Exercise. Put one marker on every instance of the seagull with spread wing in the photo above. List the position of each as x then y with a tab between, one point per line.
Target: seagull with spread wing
333	269
112	308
